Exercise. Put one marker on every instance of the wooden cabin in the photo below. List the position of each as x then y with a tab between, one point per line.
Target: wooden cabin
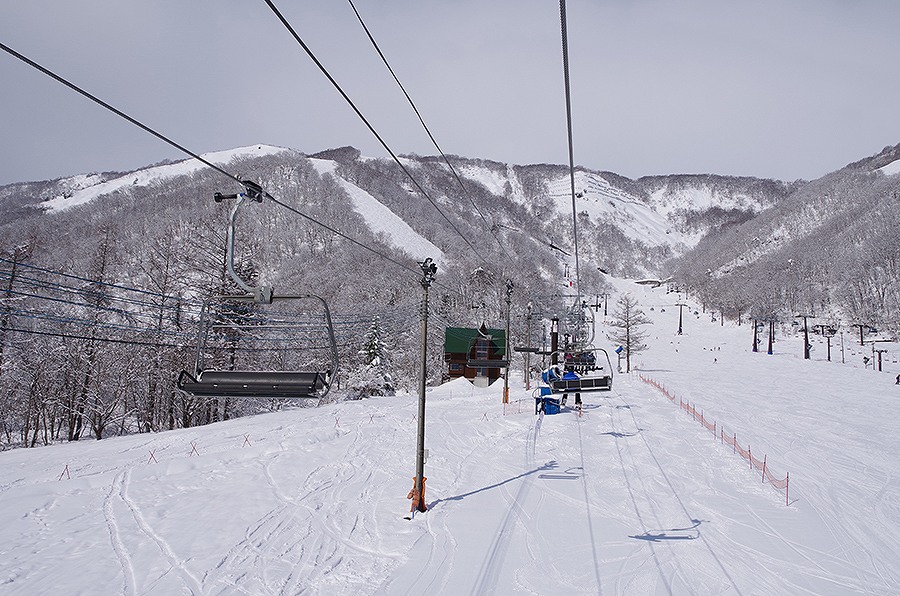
477	354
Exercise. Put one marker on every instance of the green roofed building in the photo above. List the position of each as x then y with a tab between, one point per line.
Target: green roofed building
477	354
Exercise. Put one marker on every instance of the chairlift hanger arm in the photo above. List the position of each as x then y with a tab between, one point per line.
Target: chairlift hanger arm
254	192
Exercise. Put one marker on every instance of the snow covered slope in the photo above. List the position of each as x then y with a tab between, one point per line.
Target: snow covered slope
890	169
605	202
382	220
634	497
86	188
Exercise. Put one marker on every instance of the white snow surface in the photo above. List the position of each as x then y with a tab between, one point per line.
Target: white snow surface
633	497
89	188
891	169
381	219
492	180
699	198
604	202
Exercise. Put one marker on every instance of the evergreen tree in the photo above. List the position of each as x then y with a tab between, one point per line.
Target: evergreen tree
373	350
372	378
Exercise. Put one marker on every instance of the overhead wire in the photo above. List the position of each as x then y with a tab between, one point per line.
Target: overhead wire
89	338
237	179
425	126
206	162
347	327
287	25
565	54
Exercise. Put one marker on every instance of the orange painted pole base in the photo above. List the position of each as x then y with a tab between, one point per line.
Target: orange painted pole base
418	500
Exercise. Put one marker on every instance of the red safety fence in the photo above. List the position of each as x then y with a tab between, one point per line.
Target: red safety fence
755	463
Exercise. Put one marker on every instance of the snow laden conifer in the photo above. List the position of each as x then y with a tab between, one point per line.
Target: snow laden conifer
627	319
372	378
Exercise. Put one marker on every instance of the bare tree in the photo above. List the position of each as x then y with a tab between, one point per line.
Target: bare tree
627	318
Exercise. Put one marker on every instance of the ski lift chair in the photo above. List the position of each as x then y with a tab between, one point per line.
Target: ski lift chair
589	376
238	350
243	337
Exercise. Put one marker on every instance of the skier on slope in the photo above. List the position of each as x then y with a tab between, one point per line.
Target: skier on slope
570	375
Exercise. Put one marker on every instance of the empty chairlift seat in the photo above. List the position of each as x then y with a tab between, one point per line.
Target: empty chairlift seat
261	384
252	338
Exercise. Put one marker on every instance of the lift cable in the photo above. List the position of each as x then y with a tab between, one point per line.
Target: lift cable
425	126
365	121
114	110
225	173
565	53
232	177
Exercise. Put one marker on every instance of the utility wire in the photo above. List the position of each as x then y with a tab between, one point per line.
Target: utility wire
119	113
365	121
232	177
425	126
96	282
100	339
565	52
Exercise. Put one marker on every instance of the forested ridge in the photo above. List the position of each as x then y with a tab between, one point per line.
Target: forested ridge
99	302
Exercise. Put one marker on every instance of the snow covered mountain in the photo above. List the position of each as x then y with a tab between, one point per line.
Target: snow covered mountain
832	247
650	219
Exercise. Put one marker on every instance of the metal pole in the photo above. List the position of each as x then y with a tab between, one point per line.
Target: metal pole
554	340
509	288
528	342
755	336
428	271
842	348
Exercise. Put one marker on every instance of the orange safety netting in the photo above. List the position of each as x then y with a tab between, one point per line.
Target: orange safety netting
759	464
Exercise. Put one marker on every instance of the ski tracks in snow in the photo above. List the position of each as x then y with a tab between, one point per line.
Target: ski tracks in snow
668	527
115	489
116	498
492	564
297	546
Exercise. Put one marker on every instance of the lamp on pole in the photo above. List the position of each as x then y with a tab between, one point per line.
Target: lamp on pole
429	269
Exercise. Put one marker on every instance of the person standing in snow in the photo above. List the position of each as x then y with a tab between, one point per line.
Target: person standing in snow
570	375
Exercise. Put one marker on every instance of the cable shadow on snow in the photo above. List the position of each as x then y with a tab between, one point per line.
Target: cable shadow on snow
550	465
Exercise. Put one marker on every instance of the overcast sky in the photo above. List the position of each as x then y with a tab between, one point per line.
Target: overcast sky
781	89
